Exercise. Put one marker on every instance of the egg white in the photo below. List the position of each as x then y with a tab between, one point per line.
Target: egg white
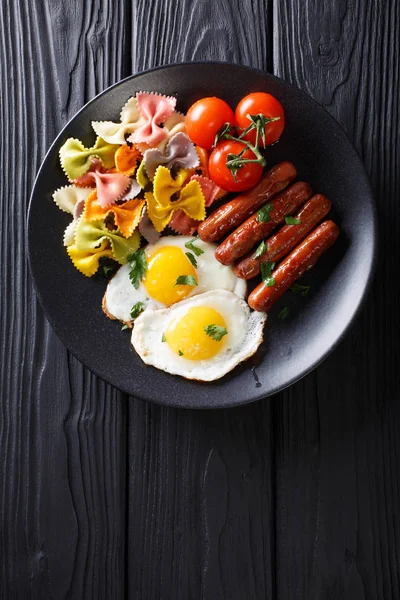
245	334
121	295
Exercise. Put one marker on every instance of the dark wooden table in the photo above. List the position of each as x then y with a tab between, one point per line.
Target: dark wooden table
104	496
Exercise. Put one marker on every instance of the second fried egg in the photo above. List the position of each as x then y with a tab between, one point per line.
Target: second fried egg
173	259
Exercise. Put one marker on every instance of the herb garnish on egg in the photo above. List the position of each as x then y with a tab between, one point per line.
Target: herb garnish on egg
138	265
190	246
192	259
216	332
137	309
186	280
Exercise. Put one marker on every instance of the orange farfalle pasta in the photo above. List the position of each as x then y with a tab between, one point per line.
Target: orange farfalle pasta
127	159
126	215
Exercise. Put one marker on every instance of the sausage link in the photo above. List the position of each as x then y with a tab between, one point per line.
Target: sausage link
299	260
231	214
284	240
252	231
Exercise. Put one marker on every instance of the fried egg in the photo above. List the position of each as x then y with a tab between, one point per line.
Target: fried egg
167	260
203	337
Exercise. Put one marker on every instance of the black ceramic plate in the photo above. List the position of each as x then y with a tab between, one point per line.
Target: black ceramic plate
324	157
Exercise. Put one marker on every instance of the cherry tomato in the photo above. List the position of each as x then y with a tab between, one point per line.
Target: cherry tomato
261	103
246	177
205	118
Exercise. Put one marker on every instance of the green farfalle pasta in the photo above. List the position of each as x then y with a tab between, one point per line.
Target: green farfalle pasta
90	235
75	158
141	176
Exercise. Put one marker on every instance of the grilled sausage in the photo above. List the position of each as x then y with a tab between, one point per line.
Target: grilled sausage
284	240
249	233
231	214
293	266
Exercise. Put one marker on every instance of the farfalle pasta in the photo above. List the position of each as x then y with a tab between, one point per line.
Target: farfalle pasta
76	158
187	197
179	152
126	216
90	235
141	174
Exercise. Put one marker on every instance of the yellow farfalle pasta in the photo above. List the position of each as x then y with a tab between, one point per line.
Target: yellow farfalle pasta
76	158
165	185
87	261
161	206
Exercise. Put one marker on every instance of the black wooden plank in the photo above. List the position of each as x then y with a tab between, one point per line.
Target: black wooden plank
337	450
62	431
200	514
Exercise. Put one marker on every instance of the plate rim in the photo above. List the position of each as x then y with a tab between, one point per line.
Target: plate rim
356	310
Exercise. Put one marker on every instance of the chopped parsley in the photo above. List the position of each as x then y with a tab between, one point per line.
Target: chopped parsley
190	246
263	247
109	270
297	288
263	215
292	221
216	332
163	338
180	352
192	259
138	265
266	270
136	309
186	280
283	313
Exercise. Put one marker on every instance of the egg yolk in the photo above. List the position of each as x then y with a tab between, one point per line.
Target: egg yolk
187	337
164	266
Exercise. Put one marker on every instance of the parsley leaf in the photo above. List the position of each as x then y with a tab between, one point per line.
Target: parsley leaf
297	288
186	280
292	221
138	265
190	246
163	338
263	215
266	270
136	309
283	313
180	352
216	332
192	259
263	247
109	270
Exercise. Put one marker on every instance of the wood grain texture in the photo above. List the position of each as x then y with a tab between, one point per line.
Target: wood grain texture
200	490
102	496
62	431
337	450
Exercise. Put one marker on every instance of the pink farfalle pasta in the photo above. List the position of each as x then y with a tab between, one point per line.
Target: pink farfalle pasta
154	109
110	186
